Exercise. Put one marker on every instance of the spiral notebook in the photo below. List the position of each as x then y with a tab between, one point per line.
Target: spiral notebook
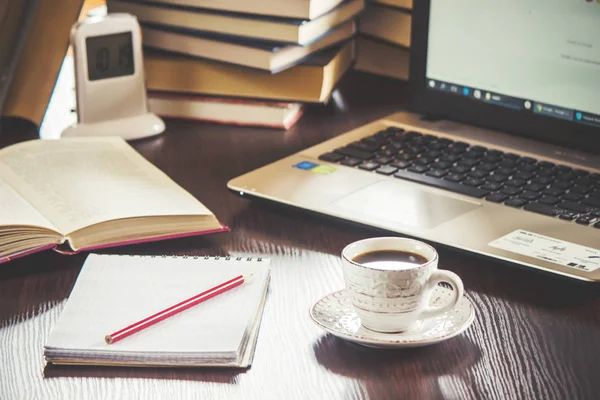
114	291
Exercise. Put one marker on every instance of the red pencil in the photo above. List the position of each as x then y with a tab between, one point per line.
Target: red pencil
177	308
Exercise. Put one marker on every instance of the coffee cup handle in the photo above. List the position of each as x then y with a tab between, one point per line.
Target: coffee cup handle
458	291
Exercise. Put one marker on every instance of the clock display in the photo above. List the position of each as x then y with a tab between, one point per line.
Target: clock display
109	56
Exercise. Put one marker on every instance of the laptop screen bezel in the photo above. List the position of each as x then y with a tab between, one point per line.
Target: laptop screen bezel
450	106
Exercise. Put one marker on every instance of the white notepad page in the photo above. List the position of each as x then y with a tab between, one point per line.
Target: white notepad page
113	292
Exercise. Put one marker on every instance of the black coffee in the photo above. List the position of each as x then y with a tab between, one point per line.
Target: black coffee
390	259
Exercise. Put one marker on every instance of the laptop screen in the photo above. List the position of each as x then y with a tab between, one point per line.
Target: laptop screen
533	56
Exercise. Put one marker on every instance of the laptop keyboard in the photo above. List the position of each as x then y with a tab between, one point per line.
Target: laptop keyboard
521	182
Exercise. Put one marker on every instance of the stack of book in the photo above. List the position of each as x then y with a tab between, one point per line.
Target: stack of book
239	61
382	47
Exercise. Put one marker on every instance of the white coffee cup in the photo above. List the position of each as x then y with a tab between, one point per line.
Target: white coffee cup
395	300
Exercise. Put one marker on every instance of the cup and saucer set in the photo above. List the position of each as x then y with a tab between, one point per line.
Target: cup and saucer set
392	298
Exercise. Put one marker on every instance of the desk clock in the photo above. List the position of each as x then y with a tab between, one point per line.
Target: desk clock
109	79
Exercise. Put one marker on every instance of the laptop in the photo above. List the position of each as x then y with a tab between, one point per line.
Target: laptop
500	154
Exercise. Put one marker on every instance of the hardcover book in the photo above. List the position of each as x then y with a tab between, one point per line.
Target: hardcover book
89	193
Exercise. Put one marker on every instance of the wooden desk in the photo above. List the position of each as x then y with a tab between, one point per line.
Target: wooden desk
534	336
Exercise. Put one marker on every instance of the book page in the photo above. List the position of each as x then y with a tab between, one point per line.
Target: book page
15	210
78	182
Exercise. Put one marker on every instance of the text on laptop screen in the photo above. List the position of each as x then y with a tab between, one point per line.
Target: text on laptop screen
538	56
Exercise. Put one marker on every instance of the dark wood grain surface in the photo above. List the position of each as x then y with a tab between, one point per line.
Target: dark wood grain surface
535	336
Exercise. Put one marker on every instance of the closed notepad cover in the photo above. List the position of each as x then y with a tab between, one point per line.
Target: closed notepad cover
113	292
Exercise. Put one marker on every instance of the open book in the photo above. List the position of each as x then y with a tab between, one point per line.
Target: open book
88	193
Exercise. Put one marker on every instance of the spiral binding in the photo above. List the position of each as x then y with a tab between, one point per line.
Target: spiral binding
215	258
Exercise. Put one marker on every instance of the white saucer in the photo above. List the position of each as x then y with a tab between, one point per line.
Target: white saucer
335	314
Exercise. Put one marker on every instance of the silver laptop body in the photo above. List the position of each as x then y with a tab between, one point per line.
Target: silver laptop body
469	222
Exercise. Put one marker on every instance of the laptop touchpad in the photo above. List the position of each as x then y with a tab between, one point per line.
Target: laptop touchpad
405	204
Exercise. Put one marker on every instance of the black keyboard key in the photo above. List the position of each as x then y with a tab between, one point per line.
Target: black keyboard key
460	169
454	177
331	157
542	209
491	160
524	175
564	168
585	219
527	167
529	195
350	162
436	173
572	206
546	164
419	168
432	154
528	160
473	155
585	181
368	147
552	191
383	160
592	201
437	145
423	161
505	171
449	158
511	190
478	149
468	162
386	170
442	184
580	189
547	172
413	150
515	182
405	157
445	141
492	186
477	173
543	180
516	202
494	153
497	178
580	172
565	177
473	182
595	193
486	167
354	153
442	165
461	145
572	196
550	200
535	187
568	215
496	197
508	163
454	150
562	185
368	166
412	134
394	130
401	164
512	156
396	146
376	141
387	152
